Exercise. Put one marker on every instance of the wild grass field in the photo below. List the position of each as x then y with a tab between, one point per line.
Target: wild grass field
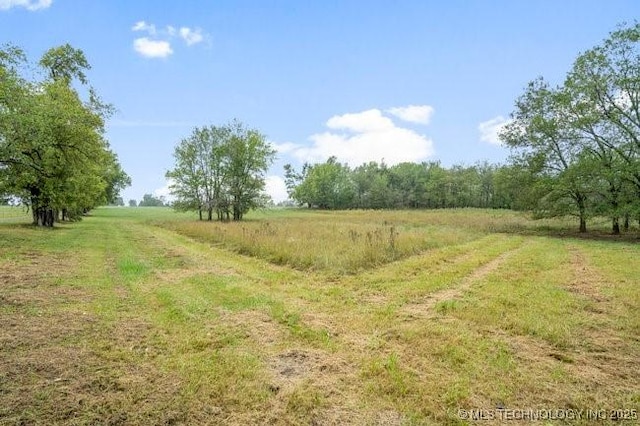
146	316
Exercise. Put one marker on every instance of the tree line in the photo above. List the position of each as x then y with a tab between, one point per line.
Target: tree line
53	154
332	185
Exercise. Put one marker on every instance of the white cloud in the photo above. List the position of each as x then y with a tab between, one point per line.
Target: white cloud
191	36
152	48
143	26
368	136
361	122
490	129
165	192
27	4
284	147
420	114
276	188
158	45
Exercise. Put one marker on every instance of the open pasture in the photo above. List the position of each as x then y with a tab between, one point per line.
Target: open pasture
14	214
146	316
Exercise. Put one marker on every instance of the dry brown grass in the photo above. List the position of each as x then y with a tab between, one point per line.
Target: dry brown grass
324	244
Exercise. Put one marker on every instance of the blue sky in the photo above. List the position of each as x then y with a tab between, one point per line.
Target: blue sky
362	80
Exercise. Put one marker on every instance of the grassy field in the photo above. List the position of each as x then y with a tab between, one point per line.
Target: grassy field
14	214
146	316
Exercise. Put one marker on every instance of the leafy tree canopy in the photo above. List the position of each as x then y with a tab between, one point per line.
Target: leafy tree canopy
53	154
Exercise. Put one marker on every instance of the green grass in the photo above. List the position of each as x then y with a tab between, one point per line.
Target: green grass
146	316
14	214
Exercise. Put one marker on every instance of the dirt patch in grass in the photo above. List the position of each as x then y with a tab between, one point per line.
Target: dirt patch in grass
314	386
295	366
258	325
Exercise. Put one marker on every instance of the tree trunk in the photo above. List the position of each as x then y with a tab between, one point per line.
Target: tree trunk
582	211
583	224
200	212
237	212
44	216
615	228
626	222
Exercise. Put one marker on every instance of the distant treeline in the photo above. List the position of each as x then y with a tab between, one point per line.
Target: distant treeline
332	185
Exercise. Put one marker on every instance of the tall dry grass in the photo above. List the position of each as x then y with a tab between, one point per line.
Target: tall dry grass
343	242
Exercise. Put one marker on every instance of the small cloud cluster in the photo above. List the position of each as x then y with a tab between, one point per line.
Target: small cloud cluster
490	129
419	114
357	138
30	5
157	43
190	36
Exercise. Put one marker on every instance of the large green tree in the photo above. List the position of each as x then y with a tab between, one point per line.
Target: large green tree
197	178
53	155
326	185
542	138
248	158
221	169
582	139
603	92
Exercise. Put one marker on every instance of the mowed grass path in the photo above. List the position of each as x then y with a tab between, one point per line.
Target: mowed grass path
137	316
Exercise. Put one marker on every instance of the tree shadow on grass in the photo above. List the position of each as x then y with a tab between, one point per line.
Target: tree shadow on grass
631	236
